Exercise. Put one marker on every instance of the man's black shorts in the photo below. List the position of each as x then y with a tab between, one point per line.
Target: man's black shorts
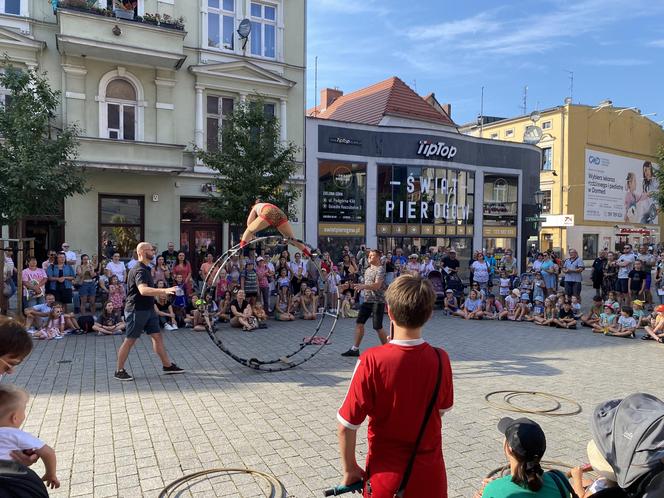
140	321
369	309
621	285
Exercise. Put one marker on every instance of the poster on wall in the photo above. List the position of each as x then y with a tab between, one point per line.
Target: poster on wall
619	189
342	192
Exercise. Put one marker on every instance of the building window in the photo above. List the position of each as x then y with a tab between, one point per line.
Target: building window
546	125
218	109
221	23
121	110
494	136
590	243
509	133
121	225
546	202
12	7
547	156
263	30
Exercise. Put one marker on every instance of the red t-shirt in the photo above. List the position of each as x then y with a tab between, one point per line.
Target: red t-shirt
393	385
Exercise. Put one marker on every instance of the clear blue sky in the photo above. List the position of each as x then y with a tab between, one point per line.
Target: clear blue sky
615	49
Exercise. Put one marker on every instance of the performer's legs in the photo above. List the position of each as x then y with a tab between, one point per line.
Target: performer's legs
256	226
286	230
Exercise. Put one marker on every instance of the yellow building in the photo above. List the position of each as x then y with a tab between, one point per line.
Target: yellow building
596	174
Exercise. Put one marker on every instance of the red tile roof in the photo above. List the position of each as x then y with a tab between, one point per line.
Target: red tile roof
369	105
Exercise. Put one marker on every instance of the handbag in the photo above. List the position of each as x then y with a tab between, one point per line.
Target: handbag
427	415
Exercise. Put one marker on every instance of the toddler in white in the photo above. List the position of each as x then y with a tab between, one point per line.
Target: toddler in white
13	401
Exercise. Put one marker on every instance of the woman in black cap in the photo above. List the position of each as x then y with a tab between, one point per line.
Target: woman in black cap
524	447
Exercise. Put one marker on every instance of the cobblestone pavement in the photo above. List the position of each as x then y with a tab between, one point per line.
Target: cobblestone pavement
130	439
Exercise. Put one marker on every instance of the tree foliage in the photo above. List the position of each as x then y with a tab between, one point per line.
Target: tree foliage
37	169
251	162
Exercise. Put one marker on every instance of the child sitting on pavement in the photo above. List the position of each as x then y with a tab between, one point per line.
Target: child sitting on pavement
626	325
523	308
591	318
538	310
13	402
511	303
565	318
493	310
576	307
640	314
656	331
472	307
450	303
549	314
606	320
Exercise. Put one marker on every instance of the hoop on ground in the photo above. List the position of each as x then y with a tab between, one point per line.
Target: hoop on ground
508	405
283	361
277	489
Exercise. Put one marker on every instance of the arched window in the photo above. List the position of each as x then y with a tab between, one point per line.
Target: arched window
121	105
500	190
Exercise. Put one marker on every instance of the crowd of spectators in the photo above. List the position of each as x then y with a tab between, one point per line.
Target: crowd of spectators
69	293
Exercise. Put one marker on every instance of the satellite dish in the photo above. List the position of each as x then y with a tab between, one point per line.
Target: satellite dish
532	135
244	29
535	116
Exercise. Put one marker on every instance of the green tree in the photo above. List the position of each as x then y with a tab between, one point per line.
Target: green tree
250	162
37	168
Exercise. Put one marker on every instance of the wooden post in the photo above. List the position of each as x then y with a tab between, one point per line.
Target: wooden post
19	279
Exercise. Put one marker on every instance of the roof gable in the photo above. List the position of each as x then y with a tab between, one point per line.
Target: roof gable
370	105
242	70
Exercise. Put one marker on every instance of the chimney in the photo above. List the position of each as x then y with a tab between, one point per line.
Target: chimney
447	108
327	96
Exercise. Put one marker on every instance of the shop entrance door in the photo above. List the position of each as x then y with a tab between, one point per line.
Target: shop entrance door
197	240
47	234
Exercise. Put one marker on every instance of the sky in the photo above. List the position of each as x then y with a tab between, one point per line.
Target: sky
614	48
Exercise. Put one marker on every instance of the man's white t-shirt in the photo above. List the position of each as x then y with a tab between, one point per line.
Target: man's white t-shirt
117	269
71	256
12	439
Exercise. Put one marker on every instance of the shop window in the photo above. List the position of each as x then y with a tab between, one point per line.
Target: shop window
590	244
121	224
500	200
221	24
546	202
263	30
218	110
547	159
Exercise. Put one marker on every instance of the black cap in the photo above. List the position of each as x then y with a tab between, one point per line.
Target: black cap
524	436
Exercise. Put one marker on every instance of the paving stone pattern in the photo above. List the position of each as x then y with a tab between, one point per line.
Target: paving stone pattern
130	439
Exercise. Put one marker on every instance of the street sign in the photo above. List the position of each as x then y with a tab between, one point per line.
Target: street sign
535	219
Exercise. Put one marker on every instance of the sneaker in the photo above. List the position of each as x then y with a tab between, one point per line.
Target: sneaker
351	352
173	369
123	375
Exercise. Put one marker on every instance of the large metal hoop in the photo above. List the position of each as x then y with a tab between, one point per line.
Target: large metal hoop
283	362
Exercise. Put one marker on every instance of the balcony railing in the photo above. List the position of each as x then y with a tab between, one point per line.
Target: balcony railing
162	20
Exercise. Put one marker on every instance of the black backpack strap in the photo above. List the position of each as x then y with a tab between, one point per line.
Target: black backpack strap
563	484
427	415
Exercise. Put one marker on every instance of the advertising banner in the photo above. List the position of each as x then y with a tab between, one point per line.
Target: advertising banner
619	189
342	192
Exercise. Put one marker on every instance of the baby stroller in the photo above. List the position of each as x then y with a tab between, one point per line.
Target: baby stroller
438	285
630	435
453	281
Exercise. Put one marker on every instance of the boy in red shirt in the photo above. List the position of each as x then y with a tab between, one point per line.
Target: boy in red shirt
393	385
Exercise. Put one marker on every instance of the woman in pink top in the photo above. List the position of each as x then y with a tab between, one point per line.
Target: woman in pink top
183	267
34	279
